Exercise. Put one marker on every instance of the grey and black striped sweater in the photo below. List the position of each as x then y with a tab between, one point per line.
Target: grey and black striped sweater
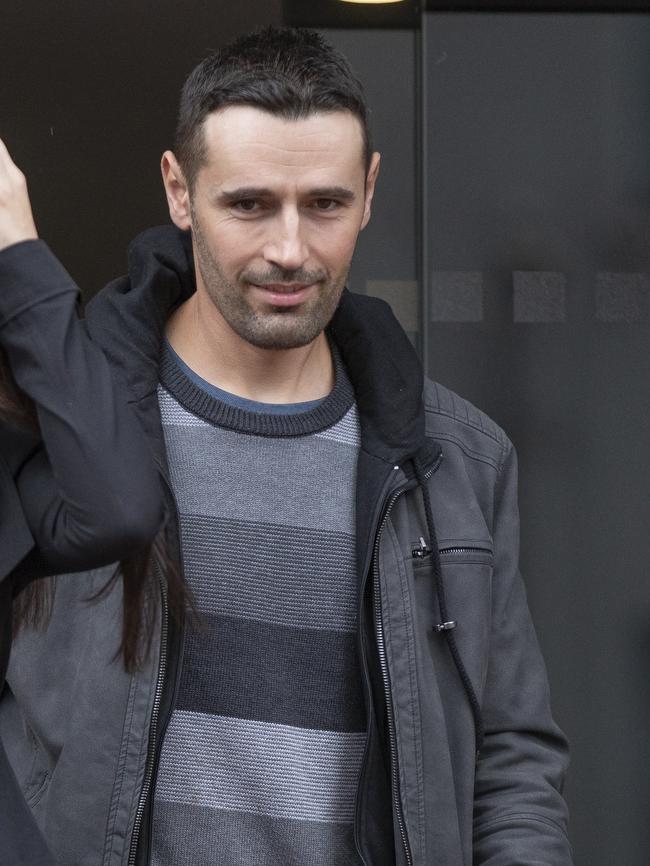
261	757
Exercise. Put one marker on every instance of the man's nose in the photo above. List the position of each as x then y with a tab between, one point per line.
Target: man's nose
286	246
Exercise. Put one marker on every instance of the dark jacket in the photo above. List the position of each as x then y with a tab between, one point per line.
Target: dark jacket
77	491
448	654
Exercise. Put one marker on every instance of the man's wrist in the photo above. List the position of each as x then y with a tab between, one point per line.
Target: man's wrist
17	238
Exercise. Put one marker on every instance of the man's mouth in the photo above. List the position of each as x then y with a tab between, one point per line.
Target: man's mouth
284	288
284	294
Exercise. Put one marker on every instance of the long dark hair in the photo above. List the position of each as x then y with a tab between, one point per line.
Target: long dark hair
32	606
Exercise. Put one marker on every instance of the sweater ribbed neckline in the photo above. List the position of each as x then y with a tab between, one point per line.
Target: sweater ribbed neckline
208	407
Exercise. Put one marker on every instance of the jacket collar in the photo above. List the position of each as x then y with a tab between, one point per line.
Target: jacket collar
128	317
386	374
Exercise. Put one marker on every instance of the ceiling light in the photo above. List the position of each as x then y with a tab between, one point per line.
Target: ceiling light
371	1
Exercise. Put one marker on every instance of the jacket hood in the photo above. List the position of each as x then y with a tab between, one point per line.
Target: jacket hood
127	318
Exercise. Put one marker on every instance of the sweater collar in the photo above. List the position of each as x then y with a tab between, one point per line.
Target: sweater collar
127	318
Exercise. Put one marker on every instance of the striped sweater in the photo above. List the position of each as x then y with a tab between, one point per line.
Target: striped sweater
261	758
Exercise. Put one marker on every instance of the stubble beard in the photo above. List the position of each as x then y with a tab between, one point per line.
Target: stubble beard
284	328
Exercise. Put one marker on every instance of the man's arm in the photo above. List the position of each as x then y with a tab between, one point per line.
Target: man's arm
520	816
88	487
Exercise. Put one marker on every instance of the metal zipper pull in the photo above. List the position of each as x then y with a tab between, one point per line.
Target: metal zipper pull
421	551
445	626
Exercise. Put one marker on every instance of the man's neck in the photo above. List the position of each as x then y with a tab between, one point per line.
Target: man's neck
208	345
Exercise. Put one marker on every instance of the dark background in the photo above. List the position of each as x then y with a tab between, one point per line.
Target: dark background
511	233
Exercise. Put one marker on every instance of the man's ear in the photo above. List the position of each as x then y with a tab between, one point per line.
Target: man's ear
371	180
178	197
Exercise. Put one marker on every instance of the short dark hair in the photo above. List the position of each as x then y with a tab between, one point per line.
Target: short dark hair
286	71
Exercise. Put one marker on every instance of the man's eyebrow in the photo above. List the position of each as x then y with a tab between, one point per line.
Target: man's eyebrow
245	192
340	192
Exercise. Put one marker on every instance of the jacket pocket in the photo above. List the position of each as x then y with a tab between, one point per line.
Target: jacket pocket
467	582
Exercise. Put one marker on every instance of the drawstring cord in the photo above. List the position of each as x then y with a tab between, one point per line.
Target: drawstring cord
447	625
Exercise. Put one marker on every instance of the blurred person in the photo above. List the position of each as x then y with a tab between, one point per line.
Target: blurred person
78	486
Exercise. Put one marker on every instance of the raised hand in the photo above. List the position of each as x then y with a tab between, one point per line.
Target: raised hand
16	220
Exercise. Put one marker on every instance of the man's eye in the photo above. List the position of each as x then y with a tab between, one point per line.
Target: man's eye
326	204
248	205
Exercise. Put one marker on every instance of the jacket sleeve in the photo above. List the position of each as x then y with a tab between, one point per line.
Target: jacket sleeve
520	816
88	486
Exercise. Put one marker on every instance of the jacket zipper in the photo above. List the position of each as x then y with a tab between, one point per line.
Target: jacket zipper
153	727
383	663
381	648
158	693
422	551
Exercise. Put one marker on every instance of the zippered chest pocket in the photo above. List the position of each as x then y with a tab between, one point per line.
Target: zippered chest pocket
467	575
481	553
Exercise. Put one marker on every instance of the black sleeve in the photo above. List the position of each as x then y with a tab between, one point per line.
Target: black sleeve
88	487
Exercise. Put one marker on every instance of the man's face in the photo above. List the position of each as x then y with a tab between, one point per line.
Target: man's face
275	214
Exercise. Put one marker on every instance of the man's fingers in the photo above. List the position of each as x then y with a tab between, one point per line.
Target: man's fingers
7	165
11	177
16	219
5	159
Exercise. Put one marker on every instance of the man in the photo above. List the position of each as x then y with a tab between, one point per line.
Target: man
357	680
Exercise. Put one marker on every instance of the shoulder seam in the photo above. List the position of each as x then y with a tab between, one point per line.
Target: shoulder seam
436	410
469	452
